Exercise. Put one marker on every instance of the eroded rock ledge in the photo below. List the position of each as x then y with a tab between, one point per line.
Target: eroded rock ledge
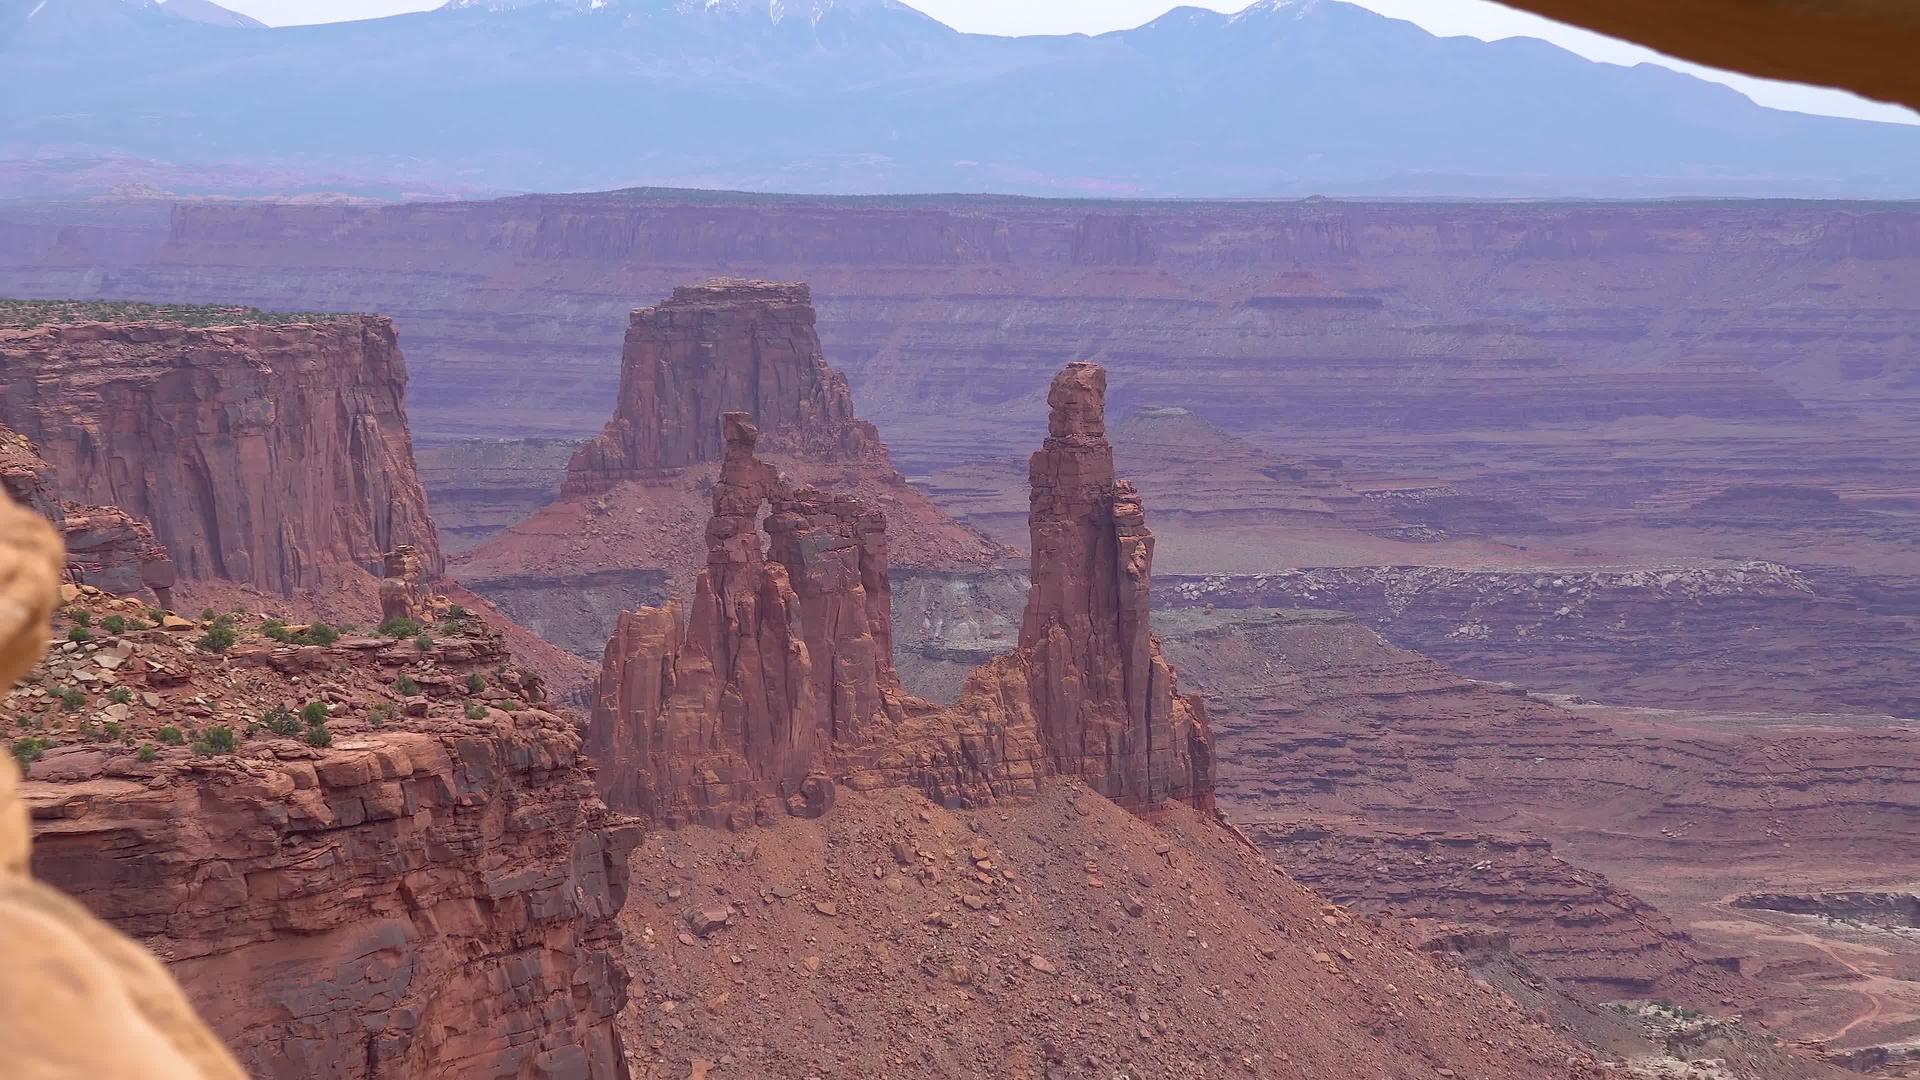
368	858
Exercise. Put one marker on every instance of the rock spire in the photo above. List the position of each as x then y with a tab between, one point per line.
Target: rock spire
780	682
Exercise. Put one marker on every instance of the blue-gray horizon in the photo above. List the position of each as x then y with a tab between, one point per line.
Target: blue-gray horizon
1484	19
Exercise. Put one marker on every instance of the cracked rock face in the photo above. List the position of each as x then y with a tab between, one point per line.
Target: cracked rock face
106	547
276	456
1107	703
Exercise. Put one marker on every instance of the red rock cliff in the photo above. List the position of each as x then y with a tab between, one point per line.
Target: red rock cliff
782	683
105	546
421	883
1108	705
729	345
277	456
788	652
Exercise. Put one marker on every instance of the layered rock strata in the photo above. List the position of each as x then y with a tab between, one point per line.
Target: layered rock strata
729	345
64	966
781	683
627	530
106	547
1107	703
1382	778
368	859
273	455
788	652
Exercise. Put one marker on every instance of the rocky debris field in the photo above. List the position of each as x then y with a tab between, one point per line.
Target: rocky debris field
1058	937
127	689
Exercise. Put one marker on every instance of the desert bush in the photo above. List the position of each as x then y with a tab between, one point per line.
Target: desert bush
217	639
29	749
281	721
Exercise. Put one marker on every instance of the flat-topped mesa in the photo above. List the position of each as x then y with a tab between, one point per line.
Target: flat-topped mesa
1108	705
274	455
728	345
787	652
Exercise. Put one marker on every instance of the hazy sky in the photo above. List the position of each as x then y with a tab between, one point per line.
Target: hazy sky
1477	18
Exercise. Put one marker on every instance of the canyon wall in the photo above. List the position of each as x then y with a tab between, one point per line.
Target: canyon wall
781	684
277	456
105	546
932	306
360	859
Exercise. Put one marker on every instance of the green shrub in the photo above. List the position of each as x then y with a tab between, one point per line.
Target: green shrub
318	735
79	633
319	634
29	749
424	643
148	752
476	684
398	628
114	624
281	721
217	639
155	615
379	715
456	612
70	698
207	614
276	629
476	711
406	686
120	695
80	616
113	730
139	624
217	740
314	713
170	735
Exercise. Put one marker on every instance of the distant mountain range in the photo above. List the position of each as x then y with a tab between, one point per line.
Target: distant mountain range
1287	98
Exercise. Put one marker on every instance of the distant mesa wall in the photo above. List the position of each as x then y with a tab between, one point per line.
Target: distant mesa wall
276	456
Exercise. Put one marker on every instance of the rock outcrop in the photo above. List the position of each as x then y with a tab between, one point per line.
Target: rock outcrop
361	859
275	455
401	573
106	547
787	654
64	967
730	345
628	529
782	683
